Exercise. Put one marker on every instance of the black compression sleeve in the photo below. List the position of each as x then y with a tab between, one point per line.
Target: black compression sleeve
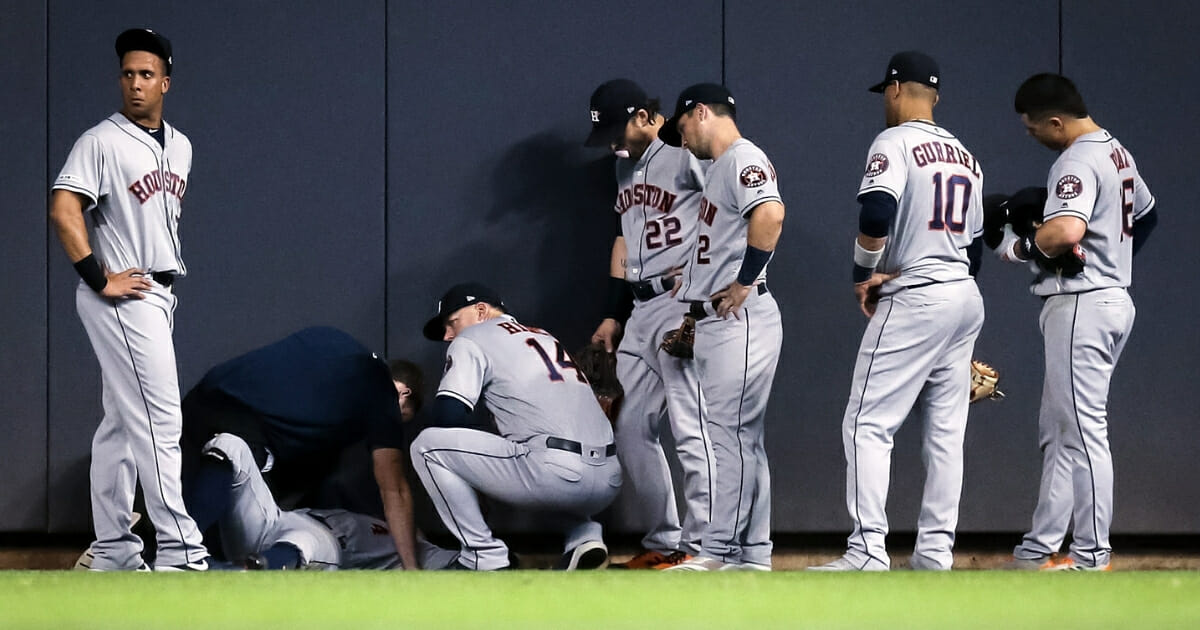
92	274
450	412
878	210
1143	227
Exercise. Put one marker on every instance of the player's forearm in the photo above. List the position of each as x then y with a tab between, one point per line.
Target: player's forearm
1060	234
766	224
66	213
616	263
397	510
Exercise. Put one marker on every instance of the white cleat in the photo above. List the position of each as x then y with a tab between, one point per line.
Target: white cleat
703	563
845	564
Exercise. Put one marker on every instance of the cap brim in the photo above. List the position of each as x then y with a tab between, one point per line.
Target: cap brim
604	136
435	329
669	133
878	88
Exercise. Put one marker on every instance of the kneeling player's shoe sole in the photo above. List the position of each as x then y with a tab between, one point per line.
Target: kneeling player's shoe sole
200	565
588	555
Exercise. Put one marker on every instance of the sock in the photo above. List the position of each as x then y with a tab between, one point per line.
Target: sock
210	492
282	556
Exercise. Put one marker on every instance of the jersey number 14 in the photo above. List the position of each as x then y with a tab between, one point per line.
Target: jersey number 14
561	360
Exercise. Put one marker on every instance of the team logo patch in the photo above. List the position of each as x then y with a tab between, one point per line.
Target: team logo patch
877	165
1069	187
753	176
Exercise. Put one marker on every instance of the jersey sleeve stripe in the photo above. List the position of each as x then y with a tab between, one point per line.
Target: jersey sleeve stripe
758	202
76	189
1066	213
1150	206
885	189
457	396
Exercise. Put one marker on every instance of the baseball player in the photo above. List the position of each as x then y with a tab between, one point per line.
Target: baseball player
1098	213
554	449
738	332
255	531
297	403
914	259
657	200
115	207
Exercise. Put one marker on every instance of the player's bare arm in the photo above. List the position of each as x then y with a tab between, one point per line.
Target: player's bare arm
766	224
66	213
609	329
388	464
1060	235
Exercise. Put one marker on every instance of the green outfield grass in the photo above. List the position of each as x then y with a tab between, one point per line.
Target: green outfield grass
599	600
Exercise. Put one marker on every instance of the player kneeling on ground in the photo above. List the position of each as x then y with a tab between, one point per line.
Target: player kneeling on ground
554	451
255	531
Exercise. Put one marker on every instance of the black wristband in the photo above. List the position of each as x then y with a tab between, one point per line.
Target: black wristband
861	273
753	263
618	303
92	274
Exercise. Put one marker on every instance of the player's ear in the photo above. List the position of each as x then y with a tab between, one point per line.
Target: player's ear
166	83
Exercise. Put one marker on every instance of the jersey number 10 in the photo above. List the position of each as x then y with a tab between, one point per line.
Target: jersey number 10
950	202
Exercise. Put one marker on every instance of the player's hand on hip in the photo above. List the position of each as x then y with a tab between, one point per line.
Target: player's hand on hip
607	333
730	299
128	284
867	292
675	272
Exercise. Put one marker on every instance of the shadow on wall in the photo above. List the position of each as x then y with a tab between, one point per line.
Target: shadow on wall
542	236
554	197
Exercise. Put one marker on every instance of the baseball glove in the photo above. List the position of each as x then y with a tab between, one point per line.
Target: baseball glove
681	342
1025	209
599	367
984	379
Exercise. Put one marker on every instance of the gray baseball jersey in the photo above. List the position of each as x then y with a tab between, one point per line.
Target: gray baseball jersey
658	196
737	181
938	187
1085	321
135	188
527	379
1097	180
554	451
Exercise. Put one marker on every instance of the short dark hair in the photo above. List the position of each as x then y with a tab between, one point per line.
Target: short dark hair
652	107
720	109
1049	94
410	374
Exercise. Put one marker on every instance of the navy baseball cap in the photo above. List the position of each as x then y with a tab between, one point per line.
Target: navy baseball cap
707	93
612	105
458	296
910	65
147	40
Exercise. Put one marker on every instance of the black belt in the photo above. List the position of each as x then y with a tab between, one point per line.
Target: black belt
571	446
696	309
647	289
165	278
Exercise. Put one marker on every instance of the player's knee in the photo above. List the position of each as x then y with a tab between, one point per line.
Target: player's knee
229	448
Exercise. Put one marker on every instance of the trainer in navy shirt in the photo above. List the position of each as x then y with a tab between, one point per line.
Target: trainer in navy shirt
296	402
